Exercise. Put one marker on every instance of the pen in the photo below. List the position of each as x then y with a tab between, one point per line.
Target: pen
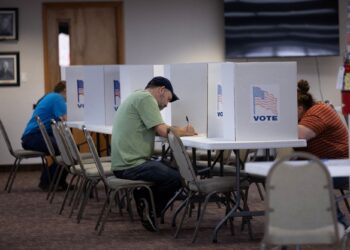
188	122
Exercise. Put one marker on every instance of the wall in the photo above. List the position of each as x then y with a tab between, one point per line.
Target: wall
156	32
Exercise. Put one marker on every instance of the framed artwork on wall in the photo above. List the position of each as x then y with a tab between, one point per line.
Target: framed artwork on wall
8	24
9	69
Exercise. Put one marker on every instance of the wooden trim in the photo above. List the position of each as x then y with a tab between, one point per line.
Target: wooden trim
45	42
120	33
63	5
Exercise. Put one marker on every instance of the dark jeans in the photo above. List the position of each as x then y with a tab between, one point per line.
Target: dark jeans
341	182
36	142
166	181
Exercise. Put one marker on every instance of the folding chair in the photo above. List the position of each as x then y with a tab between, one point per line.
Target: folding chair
19	155
56	159
300	205
114	185
203	187
87	170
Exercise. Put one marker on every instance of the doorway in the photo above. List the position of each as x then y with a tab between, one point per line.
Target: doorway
95	31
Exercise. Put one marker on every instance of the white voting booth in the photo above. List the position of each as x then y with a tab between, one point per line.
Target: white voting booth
136	77
190	83
75	93
252	101
102	94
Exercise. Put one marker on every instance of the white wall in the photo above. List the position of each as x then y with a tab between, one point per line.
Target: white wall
156	32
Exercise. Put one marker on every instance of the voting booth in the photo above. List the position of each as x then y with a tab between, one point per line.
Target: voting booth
112	91
253	101
190	83
136	77
75	93
102	93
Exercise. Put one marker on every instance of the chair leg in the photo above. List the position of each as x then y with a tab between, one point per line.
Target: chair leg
153	205
67	192
195	234
259	191
55	182
76	197
105	204
10	174
177	211
345	199
90	187
14	175
188	202
104	218
169	204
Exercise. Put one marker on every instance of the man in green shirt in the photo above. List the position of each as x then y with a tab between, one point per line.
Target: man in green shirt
137	122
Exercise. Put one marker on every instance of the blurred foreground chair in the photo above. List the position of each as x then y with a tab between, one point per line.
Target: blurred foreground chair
300	205
114	185
19	155
205	188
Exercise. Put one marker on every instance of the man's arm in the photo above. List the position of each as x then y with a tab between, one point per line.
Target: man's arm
162	130
305	132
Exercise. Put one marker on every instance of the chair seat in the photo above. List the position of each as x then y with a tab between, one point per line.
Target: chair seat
89	160
116	183
23	153
91	170
324	235
219	184
228	170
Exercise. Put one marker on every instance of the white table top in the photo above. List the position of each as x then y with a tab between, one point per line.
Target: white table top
337	168
75	124
202	142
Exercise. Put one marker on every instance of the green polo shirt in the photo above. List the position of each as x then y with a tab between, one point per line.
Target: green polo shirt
133	134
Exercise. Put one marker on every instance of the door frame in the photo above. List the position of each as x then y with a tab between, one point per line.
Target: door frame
118	6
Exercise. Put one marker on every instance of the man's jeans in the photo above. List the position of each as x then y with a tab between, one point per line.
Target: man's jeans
166	181
36	142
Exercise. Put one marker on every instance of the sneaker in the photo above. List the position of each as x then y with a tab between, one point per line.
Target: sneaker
147	218
43	187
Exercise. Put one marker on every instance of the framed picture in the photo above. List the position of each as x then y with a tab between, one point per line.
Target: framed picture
9	24
9	69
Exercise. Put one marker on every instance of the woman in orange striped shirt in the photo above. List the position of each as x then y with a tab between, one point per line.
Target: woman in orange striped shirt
327	136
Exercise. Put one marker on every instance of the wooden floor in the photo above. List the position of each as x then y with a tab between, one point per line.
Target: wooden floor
28	221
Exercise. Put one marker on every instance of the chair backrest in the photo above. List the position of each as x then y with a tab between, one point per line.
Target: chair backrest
94	153
299	197
181	157
7	140
46	137
72	146
62	144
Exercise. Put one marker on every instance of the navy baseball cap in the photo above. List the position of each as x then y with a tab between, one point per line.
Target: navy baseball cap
160	81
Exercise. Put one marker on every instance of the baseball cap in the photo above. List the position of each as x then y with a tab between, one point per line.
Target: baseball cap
160	81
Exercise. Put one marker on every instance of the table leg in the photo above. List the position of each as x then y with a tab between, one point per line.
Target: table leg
238	198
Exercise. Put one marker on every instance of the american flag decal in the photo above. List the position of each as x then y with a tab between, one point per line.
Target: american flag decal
80	92
116	91
265	100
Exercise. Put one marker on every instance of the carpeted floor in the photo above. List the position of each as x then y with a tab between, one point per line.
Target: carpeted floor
28	221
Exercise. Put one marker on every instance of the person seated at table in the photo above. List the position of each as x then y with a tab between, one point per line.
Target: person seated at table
135	125
50	106
326	134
